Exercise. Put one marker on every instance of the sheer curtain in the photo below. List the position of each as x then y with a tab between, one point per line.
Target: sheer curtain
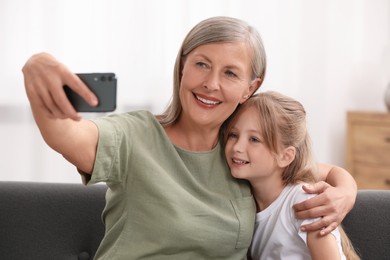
331	55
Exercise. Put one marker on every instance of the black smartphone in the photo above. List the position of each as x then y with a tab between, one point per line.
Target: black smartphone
103	85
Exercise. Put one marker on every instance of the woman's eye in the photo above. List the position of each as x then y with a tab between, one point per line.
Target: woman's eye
231	74
201	64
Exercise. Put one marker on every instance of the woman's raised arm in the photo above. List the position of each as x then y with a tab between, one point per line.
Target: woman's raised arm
60	125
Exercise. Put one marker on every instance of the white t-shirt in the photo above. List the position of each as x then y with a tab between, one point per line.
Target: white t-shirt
277	230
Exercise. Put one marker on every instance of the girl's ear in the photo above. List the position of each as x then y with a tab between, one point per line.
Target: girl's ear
287	156
255	84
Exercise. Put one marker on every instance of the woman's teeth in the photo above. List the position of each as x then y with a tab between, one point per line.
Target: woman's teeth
208	102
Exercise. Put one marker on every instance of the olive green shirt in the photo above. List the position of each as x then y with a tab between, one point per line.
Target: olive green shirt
164	202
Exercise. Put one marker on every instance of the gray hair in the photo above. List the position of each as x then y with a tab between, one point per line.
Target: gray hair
213	30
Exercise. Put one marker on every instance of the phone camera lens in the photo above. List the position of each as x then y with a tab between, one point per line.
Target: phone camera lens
103	78
109	78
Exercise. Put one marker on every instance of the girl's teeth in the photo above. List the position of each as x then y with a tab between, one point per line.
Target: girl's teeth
239	161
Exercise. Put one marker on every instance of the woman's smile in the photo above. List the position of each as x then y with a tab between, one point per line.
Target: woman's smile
207	101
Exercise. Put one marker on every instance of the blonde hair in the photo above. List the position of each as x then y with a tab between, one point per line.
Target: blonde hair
348	249
283	125
214	30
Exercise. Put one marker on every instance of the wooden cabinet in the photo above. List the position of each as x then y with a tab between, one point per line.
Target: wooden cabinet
368	149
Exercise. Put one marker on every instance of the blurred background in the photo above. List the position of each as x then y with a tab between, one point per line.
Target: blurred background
332	55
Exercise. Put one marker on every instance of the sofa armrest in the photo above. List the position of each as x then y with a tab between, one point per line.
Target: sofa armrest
368	224
50	220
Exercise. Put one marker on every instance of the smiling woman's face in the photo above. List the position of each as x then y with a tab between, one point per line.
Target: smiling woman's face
216	77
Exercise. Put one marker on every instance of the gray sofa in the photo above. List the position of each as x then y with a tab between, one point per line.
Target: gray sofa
63	221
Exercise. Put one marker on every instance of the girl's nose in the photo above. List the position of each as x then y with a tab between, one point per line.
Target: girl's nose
239	146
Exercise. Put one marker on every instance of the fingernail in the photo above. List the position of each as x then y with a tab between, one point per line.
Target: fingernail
78	117
94	101
303	229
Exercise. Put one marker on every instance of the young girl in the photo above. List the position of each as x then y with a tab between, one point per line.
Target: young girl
267	144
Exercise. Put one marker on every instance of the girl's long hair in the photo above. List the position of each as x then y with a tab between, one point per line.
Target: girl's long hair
283	124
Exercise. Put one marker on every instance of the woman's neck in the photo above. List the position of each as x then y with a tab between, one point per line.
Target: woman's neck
193	139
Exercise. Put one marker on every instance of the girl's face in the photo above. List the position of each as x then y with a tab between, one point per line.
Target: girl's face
216	77
248	157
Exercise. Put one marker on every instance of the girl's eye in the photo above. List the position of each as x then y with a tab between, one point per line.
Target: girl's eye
254	140
232	135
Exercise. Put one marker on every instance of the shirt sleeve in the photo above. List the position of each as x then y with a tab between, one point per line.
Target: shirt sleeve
112	145
300	196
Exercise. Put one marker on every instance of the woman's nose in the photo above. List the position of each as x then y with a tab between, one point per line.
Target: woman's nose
212	81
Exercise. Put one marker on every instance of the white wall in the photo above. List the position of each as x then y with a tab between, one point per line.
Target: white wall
332	55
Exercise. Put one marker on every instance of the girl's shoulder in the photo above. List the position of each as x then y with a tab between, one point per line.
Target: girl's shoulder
297	194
